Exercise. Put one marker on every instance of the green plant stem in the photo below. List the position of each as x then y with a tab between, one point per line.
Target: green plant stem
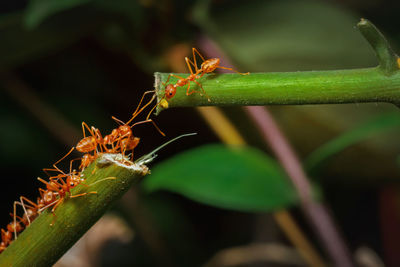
379	84
386	57
295	88
42	245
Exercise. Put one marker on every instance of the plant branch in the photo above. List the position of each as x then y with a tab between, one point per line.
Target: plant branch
293	88
379	84
42	245
386	57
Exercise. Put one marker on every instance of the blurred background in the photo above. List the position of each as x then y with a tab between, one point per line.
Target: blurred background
67	61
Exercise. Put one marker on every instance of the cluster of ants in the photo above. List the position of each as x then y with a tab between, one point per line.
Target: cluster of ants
121	140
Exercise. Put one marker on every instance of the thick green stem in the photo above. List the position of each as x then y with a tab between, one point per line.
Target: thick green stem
42	245
379	84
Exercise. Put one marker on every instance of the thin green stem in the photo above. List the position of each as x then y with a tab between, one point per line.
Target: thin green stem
386	57
379	84
42	245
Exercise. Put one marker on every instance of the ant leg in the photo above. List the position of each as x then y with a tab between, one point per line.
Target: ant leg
57	178
141	100
98	136
55	164
137	112
54	208
169	76
15	219
231	69
84	125
66	155
156	105
49	205
172	75
202	89
33	205
195	91
90	130
150	120
46	171
48	185
70	164
83	194
188	63
194	50
187	90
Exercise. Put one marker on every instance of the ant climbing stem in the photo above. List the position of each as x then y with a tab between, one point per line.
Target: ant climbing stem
207	66
31	210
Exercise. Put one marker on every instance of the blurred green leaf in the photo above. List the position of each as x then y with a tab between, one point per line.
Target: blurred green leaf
284	35
38	10
374	126
239	178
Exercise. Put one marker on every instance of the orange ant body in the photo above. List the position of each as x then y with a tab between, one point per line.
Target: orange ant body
122	139
6	239
88	144
60	189
207	66
31	211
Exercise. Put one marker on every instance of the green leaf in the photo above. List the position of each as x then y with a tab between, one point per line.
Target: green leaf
238	178
38	10
372	127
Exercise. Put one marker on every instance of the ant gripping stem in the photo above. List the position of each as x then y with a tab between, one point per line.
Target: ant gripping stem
207	66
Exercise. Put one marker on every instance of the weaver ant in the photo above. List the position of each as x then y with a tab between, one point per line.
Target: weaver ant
6	239
88	144
31	211
123	135
60	188
207	66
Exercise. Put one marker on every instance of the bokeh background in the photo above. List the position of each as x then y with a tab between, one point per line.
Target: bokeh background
67	61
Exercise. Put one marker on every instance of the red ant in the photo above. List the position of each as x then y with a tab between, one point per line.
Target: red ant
6	239
88	144
123	135
31	211
207	66
60	189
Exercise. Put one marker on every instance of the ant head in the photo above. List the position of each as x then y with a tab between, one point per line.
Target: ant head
170	91
72	183
124	129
